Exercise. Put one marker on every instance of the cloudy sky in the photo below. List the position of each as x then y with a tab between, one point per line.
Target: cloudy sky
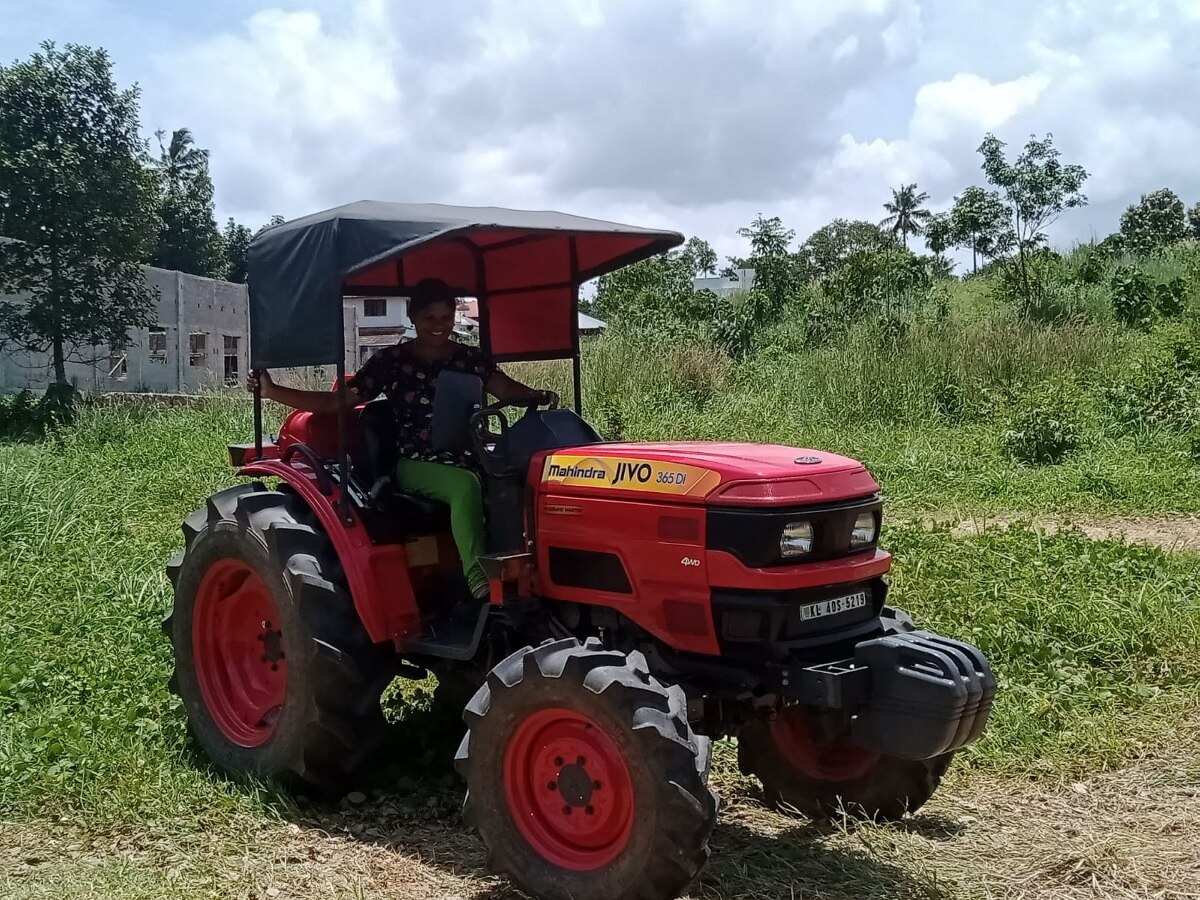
692	114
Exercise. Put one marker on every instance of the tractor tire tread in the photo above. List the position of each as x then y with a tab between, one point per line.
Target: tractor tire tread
341	725
685	808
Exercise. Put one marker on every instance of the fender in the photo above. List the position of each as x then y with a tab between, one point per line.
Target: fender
376	575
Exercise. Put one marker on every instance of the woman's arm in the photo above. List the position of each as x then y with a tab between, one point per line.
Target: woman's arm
506	389
311	401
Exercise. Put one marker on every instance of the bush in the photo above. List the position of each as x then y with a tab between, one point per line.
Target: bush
1161	391
736	327
949	399
1132	297
1092	267
1044	429
24	416
1040	291
881	282
1171	297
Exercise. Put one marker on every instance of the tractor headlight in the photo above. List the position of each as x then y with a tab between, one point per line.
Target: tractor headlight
796	540
866	529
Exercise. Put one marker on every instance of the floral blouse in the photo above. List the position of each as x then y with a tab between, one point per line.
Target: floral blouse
408	382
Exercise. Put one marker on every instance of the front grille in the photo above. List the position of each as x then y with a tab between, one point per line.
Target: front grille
752	535
769	624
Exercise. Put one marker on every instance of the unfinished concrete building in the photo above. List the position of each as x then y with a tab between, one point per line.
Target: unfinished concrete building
201	340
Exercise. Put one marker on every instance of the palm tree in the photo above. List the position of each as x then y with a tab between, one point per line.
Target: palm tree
181	160
906	214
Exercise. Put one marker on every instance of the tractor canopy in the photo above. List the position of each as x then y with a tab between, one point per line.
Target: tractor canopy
525	269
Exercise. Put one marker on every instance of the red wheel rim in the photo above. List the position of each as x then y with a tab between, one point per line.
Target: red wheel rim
568	789
237	649
839	761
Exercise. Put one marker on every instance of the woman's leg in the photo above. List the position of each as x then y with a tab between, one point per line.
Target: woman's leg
459	489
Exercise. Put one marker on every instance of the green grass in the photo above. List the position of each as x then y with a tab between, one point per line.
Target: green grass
1096	643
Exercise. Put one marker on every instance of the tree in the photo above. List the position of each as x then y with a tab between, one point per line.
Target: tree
1157	220
182	160
1036	189
829	246
190	240
656	294
977	220
939	233
237	243
906	214
775	270
79	204
767	237
1194	221
702	255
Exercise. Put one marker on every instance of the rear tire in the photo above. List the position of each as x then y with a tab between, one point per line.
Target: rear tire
276	673
584	778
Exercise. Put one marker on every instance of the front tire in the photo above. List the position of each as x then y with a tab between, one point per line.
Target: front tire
584	778
276	673
825	781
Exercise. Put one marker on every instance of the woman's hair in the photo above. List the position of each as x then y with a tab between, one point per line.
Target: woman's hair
429	292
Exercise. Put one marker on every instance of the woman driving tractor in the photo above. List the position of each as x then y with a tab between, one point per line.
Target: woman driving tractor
406	374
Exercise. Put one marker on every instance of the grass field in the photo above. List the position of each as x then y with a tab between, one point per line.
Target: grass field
1096	643
1086	784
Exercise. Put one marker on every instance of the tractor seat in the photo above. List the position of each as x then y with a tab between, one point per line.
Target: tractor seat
373	466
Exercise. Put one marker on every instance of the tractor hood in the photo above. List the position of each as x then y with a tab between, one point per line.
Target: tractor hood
720	474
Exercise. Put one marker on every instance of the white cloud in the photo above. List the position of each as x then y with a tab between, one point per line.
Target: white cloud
694	114
972	105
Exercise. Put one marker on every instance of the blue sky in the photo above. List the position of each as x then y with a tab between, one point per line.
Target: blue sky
694	115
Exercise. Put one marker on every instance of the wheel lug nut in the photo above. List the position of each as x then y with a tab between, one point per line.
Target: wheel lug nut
558	761
264	657
595	785
581	761
552	786
275	667
566	810
591	810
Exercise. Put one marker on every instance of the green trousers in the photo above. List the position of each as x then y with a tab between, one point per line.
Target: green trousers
459	489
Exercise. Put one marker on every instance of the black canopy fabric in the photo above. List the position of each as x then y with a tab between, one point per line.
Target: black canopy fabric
524	267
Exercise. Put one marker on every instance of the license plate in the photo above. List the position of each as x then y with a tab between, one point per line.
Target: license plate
833	606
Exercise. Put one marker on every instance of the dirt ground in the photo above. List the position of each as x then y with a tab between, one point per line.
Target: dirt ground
1172	533
1124	834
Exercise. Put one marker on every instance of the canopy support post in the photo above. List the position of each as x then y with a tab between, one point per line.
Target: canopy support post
576	365
257	373
343	442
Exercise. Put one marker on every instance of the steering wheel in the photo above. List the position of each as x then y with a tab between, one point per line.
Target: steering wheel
490	445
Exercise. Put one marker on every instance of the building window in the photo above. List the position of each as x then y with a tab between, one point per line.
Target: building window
198	348
231	359
158	345
375	308
118	364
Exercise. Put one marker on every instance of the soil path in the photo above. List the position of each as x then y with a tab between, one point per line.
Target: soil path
1179	532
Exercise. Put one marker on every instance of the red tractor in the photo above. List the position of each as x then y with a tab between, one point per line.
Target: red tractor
645	598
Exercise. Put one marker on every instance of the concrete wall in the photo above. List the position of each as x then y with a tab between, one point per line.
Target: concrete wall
722	286
201	341
396	307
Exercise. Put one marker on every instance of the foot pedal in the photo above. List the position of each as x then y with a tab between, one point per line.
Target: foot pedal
455	634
